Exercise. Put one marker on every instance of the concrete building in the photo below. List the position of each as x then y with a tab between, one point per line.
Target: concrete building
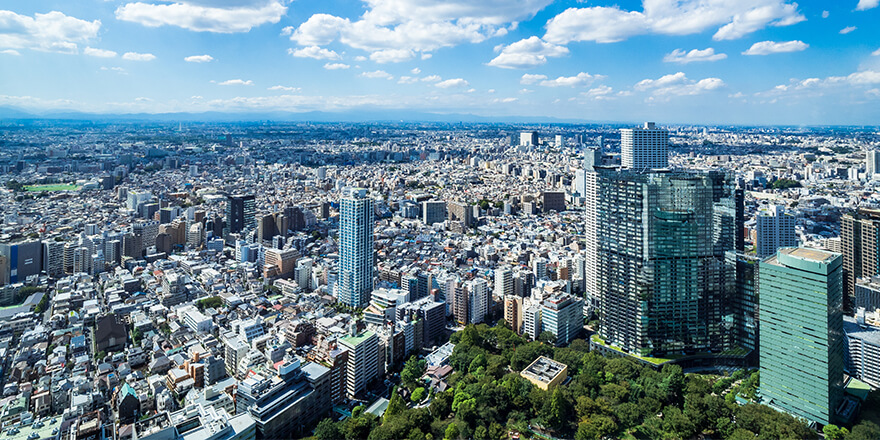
862	348
644	148
545	373
363	361
775	230
531	326
860	239
478	300
553	200
872	164
513	312
241	213
802	351
355	248
433	211
22	259
564	317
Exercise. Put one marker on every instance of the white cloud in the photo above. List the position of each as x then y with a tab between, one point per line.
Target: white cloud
51	32
847	30
392	55
204	16
10	52
336	66
529	78
315	52
360	58
415	71
825	14
581	79
863	77
876	53
199	59
100	53
450	83
599	93
736	19
118	70
377	74
864	5
236	82
407	80
682	57
677	84
771	47
504	100
417	25
431	78
526	53
134	56
426	56
284	88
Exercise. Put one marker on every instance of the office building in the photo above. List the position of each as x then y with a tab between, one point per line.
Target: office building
241	213
661	276
553	201
801	354
432	312
280	262
775	229
513	312
22	259
478	300
644	148
355	248
363	361
545	373
860	240
867	294
872	164
461	214
53	258
528	138
433	211
862	347
503	282
742	309
531	326
563	316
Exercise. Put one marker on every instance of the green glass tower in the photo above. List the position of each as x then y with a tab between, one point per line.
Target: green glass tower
801	345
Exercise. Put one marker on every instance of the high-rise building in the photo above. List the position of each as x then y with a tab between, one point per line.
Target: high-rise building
513	312
23	259
53	258
355	248
872	164
661	239
478	300
503	282
860	240
433	211
563	316
531	326
742	310
802	332
553	201
528	138
775	229
644	148
363	361
241	213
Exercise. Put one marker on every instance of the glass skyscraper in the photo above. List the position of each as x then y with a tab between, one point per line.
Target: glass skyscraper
802	332
355	248
241	213
662	279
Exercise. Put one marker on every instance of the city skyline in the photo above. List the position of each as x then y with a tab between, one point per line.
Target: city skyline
740	62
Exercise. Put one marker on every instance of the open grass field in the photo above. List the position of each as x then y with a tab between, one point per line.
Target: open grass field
52	188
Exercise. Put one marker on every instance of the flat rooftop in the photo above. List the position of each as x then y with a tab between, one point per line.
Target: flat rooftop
809	254
544	369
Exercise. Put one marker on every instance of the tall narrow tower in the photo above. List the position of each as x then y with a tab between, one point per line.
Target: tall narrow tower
356	248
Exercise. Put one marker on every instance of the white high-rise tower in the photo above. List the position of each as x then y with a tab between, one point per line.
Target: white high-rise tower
646	147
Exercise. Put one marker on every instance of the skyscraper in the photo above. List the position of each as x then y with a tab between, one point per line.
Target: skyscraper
646	147
661	276
355	247
775	229
872	164
241	213
860	240
363	361
802	332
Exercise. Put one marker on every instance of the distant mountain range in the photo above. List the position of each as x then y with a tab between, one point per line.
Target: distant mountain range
363	115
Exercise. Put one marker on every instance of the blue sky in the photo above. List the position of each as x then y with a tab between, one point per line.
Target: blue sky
673	61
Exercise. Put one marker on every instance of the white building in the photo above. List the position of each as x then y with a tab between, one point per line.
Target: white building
775	229
872	164
503	282
478	300
532	321
646	147
363	361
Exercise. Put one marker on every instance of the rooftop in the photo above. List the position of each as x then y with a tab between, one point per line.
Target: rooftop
544	369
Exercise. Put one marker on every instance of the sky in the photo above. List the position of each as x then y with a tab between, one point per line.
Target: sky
754	62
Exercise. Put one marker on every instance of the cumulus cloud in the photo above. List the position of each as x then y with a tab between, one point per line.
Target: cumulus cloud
204	16
771	47
377	74
51	32
431	78
392	55
10	52
134	56
336	66
236	82
100	53
315	52
415	26
284	88
529	78
599	93
407	80
526	53
415	71
581	79
682	57
847	30
677	84
199	59
452	83
864	5
732	18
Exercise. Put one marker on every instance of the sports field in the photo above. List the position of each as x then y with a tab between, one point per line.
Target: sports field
50	188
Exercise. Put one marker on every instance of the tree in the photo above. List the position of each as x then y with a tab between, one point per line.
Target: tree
547	338
865	430
418	395
559	410
413	369
395	406
452	432
595	427
834	432
328	430
41	306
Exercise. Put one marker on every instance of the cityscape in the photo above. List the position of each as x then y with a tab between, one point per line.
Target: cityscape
459	252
